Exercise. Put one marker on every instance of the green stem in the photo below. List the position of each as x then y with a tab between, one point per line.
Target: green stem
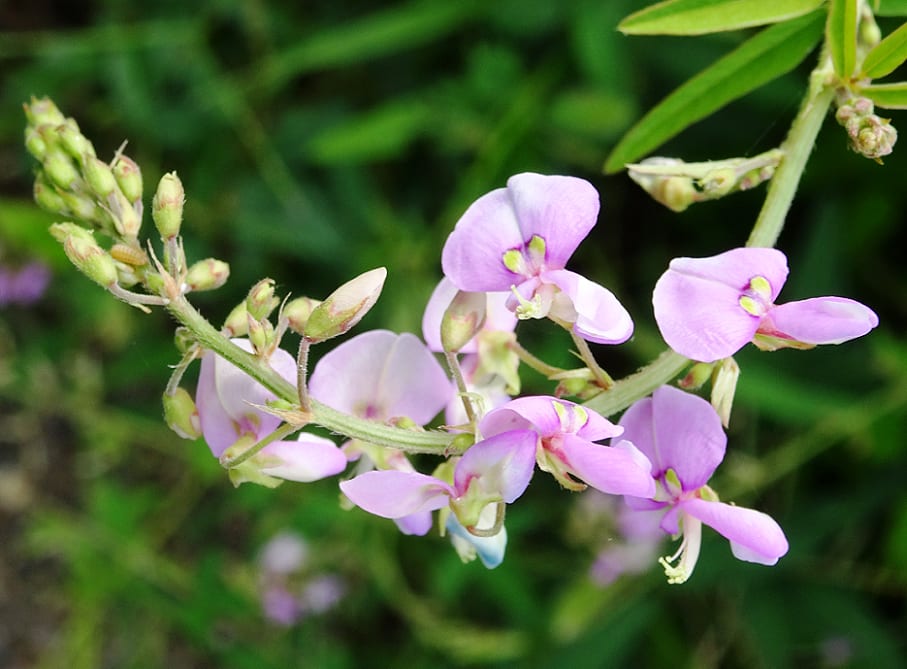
631	388
284	430
601	376
797	147
356	428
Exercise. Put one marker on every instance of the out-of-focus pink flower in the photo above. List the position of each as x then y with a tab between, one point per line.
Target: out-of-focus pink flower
226	399
519	239
23	286
710	308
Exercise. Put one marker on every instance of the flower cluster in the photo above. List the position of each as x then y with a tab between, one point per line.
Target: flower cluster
505	261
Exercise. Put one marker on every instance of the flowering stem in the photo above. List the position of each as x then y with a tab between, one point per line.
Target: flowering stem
284	430
631	388
302	364
179	369
601	376
797	147
356	428
535	363
454	366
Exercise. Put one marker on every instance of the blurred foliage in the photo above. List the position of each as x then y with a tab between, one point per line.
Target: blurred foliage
317	140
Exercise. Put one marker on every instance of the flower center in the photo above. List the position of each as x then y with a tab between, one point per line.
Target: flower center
756	299
529	260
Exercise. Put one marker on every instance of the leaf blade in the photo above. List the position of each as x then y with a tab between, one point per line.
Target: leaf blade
841	36
889	96
698	17
887	55
764	57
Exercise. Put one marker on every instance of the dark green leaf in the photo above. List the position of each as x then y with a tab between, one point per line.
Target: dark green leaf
890	7
768	55
841	36
697	17
890	96
887	55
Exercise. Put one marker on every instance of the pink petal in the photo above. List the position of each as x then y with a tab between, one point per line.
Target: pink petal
697	301
538	413
677	430
217	426
395	494
600	317
754	536
561	210
309	458
612	470
501	465
381	375
417	524
820	320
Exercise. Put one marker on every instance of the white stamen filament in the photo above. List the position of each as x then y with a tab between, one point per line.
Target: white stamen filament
688	553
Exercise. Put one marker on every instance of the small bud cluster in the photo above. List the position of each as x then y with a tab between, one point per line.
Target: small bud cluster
869	134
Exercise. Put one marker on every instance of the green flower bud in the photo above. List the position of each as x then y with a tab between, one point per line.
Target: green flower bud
237	323
129	178
183	339
261	334
98	176
261	301
181	414
79	206
207	274
88	257
296	313
724	385
43	111
47	197
73	141
34	143
462	319
60	169
126	219
345	306
167	206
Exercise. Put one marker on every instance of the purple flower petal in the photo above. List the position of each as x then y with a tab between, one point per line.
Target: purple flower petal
309	458
599	317
489	549
754	536
538	413
561	210
380	375
395	494
677	430
501	465
820	320
612	470
697	301
415	524
217	426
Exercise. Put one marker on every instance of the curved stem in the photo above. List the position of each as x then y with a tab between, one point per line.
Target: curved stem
601	376
626	391
284	430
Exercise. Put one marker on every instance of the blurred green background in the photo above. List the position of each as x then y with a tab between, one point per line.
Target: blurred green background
319	139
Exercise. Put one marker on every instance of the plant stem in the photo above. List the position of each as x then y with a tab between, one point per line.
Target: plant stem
631	388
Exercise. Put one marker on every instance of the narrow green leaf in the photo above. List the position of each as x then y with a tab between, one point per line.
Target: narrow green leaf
890	7
697	17
841	36
762	58
889	96
887	55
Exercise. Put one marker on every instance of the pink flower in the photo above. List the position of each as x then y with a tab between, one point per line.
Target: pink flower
566	432
492	472
519	239
710	308
682	436
226	399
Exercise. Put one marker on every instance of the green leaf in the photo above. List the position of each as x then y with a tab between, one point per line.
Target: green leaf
887	55
890	96
762	58
841	36
890	7
697	17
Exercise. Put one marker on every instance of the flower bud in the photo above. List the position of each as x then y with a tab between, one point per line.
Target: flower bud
47	197
42	111
129	178
79	206
98	176
724	385
181	414
126	219
86	254
73	141
261	301
34	143
183	339
296	313
60	169
345	306
463	319
697	376
261	334
207	274
167	206
237	323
